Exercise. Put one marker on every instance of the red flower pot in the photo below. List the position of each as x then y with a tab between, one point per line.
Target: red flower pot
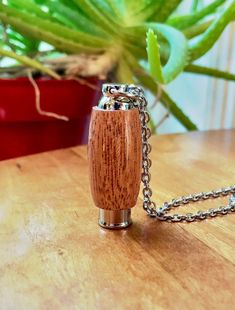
24	131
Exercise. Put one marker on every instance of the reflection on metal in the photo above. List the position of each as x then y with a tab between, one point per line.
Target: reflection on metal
114	219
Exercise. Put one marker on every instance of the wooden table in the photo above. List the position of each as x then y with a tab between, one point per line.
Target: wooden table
54	256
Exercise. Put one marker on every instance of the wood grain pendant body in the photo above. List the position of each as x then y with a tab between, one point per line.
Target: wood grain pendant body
115	158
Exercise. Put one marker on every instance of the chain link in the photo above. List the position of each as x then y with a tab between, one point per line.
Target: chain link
136	95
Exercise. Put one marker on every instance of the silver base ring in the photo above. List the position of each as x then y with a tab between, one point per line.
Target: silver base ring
115	219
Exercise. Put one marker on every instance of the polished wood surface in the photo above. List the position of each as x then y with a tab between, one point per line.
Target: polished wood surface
53	255
114	153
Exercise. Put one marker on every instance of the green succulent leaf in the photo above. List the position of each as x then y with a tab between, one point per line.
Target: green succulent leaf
91	10
73	18
28	6
197	29
117	8
194	6
141	10
106	10
134	7
61	37
29	62
182	22
124	73
166	9
210	36
154	60
178	53
220	74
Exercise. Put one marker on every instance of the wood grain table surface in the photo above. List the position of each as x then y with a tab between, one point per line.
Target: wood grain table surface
53	255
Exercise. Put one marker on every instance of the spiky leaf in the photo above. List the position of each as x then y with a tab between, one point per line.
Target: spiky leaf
178	53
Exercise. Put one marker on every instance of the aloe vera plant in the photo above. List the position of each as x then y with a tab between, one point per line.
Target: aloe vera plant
130	41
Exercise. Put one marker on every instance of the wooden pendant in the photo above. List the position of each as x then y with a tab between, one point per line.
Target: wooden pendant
115	158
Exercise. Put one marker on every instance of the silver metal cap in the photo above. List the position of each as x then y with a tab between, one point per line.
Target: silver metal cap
111	104
115	219
119	97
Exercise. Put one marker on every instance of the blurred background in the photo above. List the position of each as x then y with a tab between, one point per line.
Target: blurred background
55	55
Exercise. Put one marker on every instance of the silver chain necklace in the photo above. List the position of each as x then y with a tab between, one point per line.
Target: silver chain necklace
135	95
